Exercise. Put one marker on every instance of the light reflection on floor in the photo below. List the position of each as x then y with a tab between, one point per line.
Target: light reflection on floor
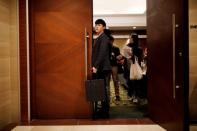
91	128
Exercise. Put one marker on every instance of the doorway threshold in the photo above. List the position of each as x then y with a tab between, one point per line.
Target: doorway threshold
130	121
91	128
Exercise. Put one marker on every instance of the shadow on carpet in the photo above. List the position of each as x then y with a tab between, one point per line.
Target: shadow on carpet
129	112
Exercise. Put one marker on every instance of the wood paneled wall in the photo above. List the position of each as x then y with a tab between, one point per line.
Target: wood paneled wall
5	98
9	74
14	62
120	43
193	60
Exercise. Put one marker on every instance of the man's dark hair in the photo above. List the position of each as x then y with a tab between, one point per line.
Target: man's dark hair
100	21
135	39
111	38
107	32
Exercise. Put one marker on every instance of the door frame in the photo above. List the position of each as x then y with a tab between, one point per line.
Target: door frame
23	58
186	63
24	62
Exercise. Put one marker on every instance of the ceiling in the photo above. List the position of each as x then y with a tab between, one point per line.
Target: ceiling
121	14
111	7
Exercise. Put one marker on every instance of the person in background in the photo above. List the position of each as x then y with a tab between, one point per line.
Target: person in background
136	52
144	81
123	72
115	52
127	54
134	90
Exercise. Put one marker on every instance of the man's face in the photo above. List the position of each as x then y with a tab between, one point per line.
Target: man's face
99	28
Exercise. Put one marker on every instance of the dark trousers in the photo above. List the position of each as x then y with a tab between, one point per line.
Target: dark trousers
106	76
134	88
138	88
114	74
144	87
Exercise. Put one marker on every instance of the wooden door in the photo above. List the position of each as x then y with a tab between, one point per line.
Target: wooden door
57	58
167	64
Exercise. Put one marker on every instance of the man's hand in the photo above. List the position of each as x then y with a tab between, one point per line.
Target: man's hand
119	57
94	70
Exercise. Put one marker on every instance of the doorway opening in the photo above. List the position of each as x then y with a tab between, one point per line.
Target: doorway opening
125	20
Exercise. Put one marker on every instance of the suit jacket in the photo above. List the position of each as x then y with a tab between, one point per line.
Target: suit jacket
101	53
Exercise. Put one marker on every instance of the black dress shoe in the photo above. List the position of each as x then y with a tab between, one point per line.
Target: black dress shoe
101	114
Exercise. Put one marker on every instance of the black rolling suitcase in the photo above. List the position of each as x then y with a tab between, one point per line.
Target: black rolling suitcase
95	91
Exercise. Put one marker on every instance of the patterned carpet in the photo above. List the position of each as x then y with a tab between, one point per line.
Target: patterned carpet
125	108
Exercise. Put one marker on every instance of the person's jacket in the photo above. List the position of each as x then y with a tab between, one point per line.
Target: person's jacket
114	53
101	51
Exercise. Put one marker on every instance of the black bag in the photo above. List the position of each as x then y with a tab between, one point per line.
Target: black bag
95	90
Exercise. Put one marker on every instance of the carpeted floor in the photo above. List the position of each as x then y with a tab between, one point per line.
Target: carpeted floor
128	112
124	108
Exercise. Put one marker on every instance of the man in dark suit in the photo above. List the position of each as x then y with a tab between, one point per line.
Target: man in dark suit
101	66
